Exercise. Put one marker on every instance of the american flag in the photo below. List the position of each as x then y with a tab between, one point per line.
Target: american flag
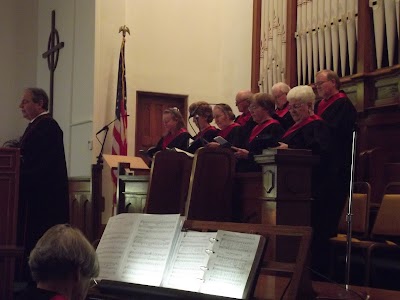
120	144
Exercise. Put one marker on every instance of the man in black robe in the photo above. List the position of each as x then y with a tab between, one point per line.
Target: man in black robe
43	188
339	113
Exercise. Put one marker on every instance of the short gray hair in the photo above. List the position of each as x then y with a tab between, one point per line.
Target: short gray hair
330	75
303	93
265	101
280	86
61	251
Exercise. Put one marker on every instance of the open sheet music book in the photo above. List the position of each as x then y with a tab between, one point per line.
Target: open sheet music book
182	151
152	250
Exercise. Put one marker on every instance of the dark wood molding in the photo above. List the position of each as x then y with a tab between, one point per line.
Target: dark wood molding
291	59
255	58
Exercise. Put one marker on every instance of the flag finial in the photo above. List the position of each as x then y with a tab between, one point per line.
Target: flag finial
124	29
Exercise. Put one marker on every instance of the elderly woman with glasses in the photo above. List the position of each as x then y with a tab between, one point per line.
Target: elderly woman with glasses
311	132
175	136
229	130
264	135
62	264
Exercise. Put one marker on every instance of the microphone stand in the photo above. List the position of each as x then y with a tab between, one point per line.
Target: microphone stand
100	156
105	128
349	215
349	293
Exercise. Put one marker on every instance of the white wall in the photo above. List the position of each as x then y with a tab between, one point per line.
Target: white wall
18	52
74	76
201	48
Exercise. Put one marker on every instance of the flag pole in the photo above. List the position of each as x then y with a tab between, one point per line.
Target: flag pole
124	29
120	144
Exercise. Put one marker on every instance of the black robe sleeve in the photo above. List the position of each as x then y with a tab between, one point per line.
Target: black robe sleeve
267	138
181	141
199	142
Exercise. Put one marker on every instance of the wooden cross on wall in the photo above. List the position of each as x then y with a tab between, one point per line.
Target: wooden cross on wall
53	49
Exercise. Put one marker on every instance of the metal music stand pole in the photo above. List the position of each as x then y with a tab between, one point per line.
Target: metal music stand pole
100	157
105	128
350	212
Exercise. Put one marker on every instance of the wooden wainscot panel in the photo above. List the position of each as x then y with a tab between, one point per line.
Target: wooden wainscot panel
81	205
387	87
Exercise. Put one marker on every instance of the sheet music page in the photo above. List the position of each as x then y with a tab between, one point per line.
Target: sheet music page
183	151
230	264
113	243
148	251
186	268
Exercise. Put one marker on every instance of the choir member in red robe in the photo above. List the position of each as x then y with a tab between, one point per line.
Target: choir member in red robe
245	120
202	116
224	118
311	132
339	113
279	92
175	136
264	135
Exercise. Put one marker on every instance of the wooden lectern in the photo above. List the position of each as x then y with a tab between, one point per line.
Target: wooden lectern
127	167
286	194
286	198
9	183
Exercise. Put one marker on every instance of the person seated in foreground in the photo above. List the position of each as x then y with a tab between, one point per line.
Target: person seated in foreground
279	91
311	132
202	116
63	263
175	136
265	134
224	118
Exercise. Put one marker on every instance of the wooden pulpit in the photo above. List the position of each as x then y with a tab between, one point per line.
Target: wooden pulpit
9	181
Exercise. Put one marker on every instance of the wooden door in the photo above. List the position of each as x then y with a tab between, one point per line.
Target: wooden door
150	106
